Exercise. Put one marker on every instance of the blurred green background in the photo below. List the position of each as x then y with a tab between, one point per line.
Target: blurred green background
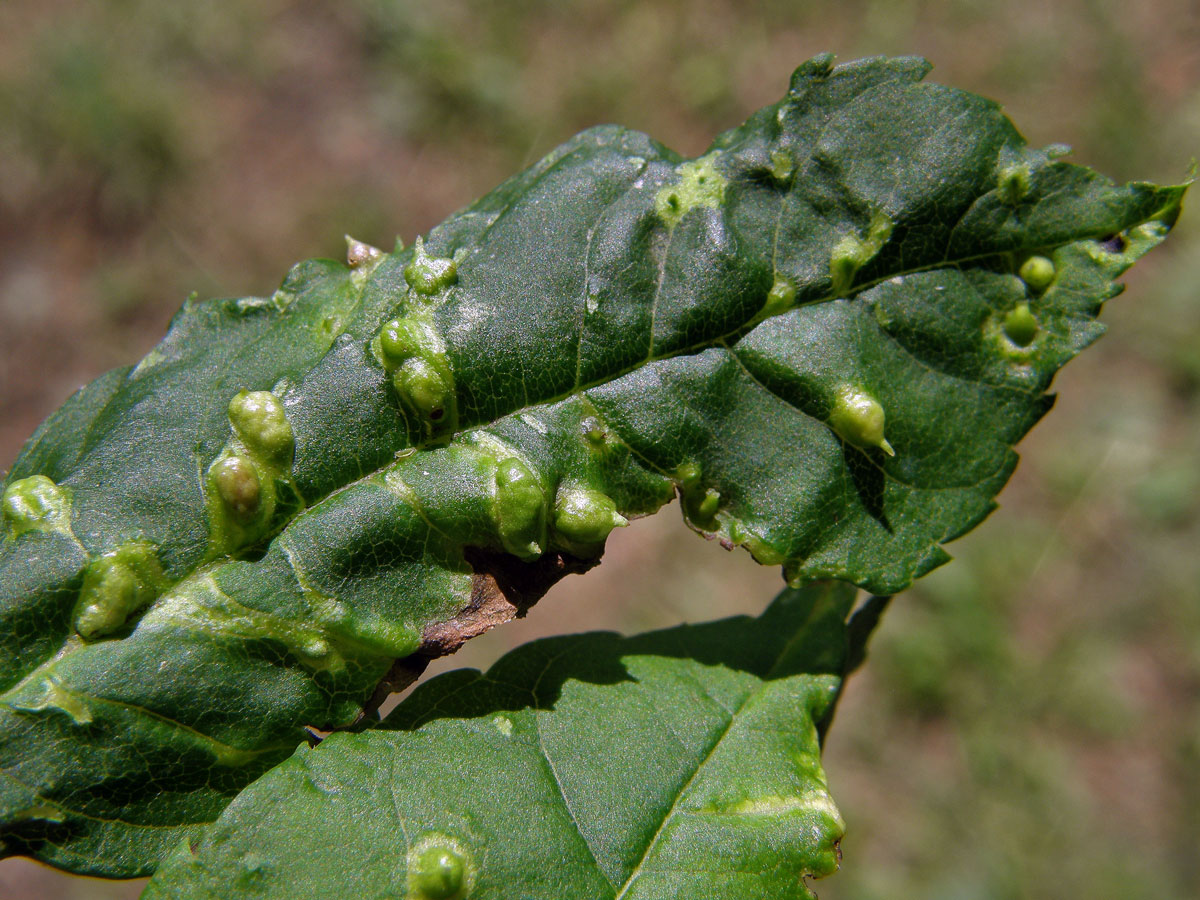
1028	725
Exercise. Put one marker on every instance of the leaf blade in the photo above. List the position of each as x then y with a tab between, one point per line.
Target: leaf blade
556	732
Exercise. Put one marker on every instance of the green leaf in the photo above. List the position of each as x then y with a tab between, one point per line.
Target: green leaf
824	335
680	763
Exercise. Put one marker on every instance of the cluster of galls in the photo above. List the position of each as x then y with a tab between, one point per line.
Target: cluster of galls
413	353
245	480
582	518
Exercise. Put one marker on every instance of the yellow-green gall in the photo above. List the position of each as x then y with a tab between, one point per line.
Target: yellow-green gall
702	507
401	339
427	274
439	868
780	298
700	184
688	475
1037	272
858	419
782	166
315	648
110	593
853	252
764	553
844	264
438	874
708	506
259	420
586	517
36	504
115	586
1013	183
1020	325
238	486
426	388
40	812
520	510
593	432
55	697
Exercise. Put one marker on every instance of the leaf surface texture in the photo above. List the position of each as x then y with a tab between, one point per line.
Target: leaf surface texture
680	763
824	336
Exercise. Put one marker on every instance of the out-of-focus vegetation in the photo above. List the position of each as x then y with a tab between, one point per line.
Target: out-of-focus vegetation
1029	722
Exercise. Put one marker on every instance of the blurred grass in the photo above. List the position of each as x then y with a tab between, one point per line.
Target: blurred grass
1028	725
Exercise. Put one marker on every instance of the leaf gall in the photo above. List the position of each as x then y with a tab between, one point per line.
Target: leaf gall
1038	273
858	419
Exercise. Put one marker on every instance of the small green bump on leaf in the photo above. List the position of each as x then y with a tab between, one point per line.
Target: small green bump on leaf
1021	325
763	553
1038	273
701	508
708	506
110	597
780	298
520	510
700	505
56	698
688	475
427	274
844	264
401	339
699	185
316	648
238	486
853	252
438	874
586	517
428	390
438	869
259	420
41	812
1013	183
115	586
1058	151
359	254
858	419
783	167
593	432
36	504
